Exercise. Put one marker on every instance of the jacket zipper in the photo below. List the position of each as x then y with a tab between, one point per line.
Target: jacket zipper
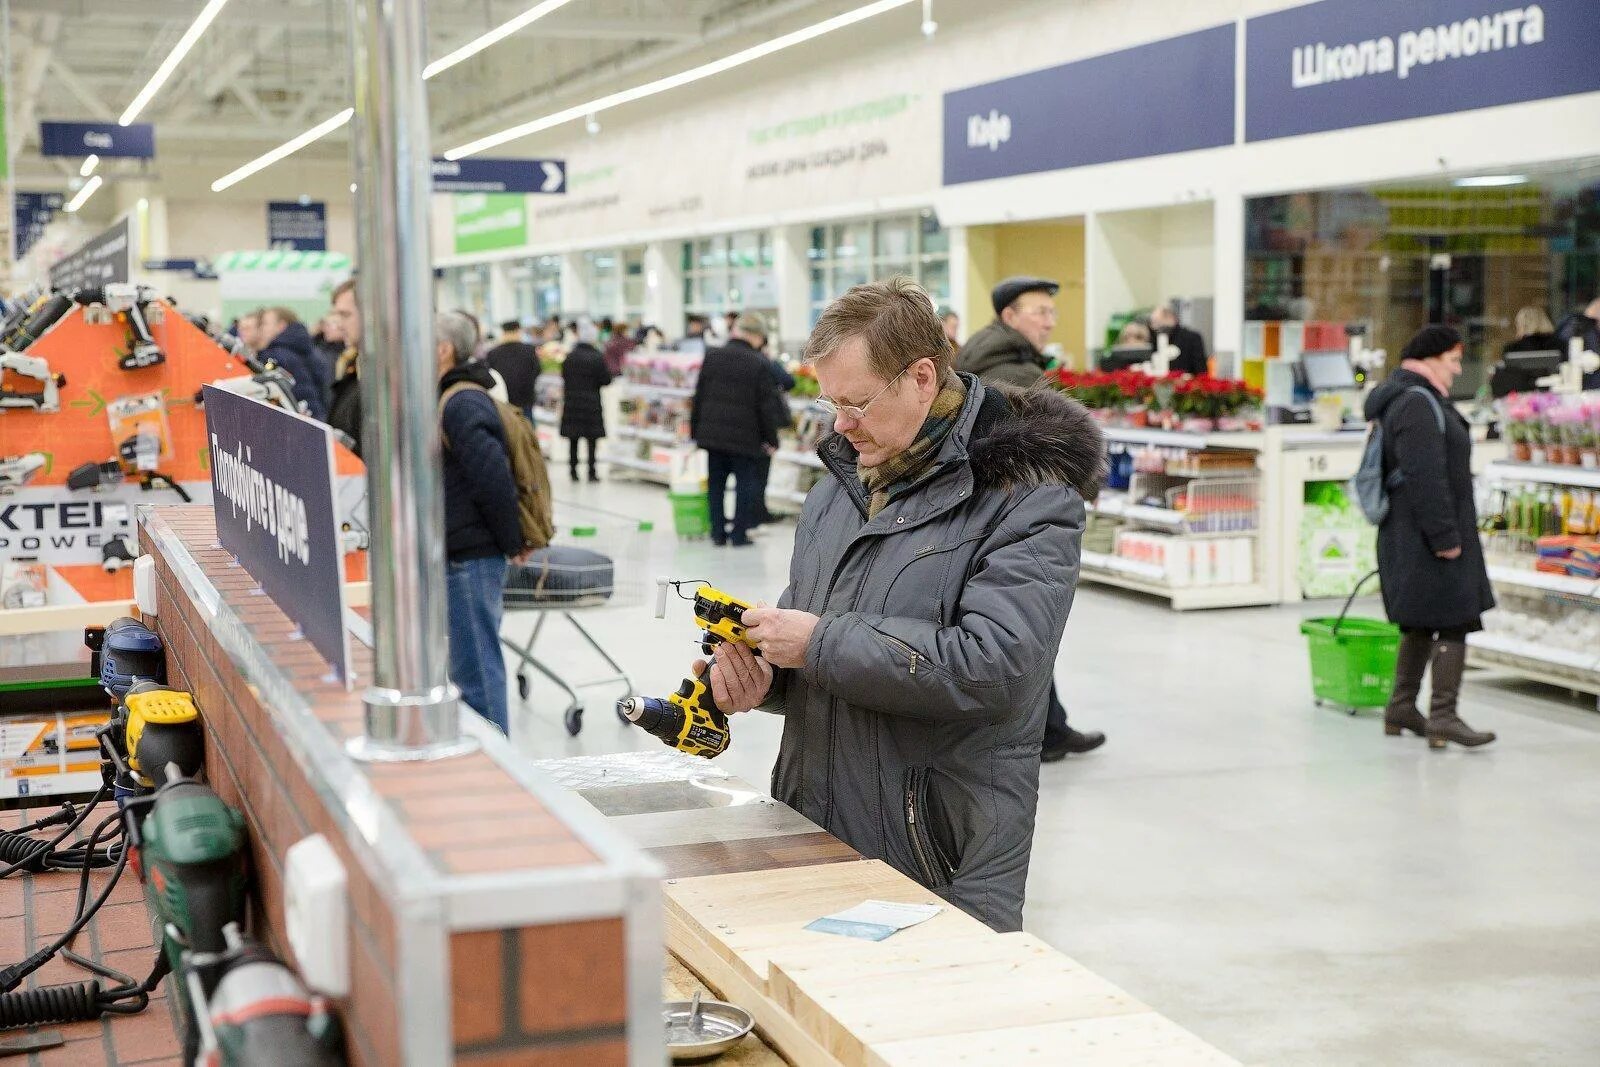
910	652
923	863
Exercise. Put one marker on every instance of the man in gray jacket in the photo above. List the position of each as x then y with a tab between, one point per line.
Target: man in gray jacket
931	579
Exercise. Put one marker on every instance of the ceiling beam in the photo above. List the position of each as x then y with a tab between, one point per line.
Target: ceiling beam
39	50
69	80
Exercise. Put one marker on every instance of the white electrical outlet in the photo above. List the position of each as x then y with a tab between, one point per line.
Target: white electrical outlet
144	586
315	910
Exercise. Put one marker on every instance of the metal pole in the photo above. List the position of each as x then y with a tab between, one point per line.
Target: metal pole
412	709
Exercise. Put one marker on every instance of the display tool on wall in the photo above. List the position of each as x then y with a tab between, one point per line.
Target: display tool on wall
105	139
272	485
1175	95
500	176
1343	63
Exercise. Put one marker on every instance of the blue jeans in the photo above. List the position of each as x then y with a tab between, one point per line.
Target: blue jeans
747	489
475	587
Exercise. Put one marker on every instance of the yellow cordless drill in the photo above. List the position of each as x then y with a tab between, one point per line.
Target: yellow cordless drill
689	719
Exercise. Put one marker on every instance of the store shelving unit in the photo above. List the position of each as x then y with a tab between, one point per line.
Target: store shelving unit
1190	481
1558	598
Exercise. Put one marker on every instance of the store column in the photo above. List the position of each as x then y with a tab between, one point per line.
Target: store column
502	297
792	277
1227	243
663	280
960	266
574	286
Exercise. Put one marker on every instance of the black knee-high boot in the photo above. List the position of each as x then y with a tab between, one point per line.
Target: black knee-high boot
1444	725
1402	714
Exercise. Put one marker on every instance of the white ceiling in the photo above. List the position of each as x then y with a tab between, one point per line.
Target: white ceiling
266	70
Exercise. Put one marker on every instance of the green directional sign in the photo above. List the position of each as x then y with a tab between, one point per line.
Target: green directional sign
489	222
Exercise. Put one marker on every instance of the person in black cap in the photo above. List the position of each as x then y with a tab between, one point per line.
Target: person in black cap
1010	351
1435	585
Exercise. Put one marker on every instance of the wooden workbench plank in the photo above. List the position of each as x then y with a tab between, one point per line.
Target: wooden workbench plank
1142	1039
770	853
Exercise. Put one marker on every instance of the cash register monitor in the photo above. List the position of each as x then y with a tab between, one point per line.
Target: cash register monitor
1328	372
1535	363
1124	356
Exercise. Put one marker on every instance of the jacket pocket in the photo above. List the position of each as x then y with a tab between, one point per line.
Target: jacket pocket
913	659
934	865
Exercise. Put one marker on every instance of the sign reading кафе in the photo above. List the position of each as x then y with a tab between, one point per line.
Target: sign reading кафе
1343	63
272	489
1168	96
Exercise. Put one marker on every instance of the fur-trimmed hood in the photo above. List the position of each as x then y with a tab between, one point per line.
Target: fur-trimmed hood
1038	437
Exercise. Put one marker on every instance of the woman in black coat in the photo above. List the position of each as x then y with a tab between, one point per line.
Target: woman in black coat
1435	584
583	375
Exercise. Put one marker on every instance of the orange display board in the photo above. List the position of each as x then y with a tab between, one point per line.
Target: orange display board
65	529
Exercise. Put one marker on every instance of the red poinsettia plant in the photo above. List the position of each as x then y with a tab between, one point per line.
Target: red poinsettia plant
1182	394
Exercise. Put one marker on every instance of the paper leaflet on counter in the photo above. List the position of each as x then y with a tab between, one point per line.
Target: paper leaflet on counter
874	920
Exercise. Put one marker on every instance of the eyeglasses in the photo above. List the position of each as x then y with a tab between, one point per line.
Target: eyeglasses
851	411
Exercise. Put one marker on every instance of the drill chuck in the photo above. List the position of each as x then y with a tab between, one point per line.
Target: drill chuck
653	715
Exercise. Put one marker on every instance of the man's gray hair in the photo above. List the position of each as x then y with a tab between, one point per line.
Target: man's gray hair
456	330
588	332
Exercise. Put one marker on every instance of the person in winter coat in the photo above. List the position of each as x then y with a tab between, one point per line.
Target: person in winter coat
932	574
583	375
1435	584
1535	333
735	418
288	344
344	407
1009	351
482	526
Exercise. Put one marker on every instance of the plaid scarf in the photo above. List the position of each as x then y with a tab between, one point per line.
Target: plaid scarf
898	472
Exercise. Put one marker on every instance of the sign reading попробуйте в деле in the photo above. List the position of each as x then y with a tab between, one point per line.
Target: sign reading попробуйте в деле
272	491
1343	63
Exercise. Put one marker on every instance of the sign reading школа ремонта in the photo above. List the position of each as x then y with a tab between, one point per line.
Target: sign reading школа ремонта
1343	63
272	490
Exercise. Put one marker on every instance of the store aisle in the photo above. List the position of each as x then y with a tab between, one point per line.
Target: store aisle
1286	882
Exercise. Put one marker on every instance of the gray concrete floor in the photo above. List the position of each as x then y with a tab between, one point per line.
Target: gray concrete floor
1284	881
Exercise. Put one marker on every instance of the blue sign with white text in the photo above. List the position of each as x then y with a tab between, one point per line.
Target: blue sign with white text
79	139
500	176
34	212
1343	63
1174	95
272	491
296	227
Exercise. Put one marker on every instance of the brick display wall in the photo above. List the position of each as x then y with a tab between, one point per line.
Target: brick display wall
535	995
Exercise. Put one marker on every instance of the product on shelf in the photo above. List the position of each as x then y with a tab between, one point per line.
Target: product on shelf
1554	429
1189	561
1179	401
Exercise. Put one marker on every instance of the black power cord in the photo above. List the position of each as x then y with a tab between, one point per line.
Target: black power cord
21	852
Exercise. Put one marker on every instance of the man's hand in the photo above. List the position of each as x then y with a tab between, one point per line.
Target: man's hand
782	634
521	558
1450	553
739	678
771	450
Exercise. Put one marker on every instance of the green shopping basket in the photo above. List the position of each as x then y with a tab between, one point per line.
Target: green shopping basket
691	514
1352	660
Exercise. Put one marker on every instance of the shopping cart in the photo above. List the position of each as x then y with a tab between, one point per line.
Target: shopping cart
1352	660
597	559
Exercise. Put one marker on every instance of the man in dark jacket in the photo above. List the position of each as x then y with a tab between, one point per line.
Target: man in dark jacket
344	409
932	574
734	418
1430	560
1191	357
288	344
1009	351
517	363
482	527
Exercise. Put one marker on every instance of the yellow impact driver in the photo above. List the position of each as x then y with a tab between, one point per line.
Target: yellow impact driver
689	719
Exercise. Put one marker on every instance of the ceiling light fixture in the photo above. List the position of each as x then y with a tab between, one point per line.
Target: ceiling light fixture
929	26
287	148
494	36
674	81
85	193
168	65
89	164
1490	181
